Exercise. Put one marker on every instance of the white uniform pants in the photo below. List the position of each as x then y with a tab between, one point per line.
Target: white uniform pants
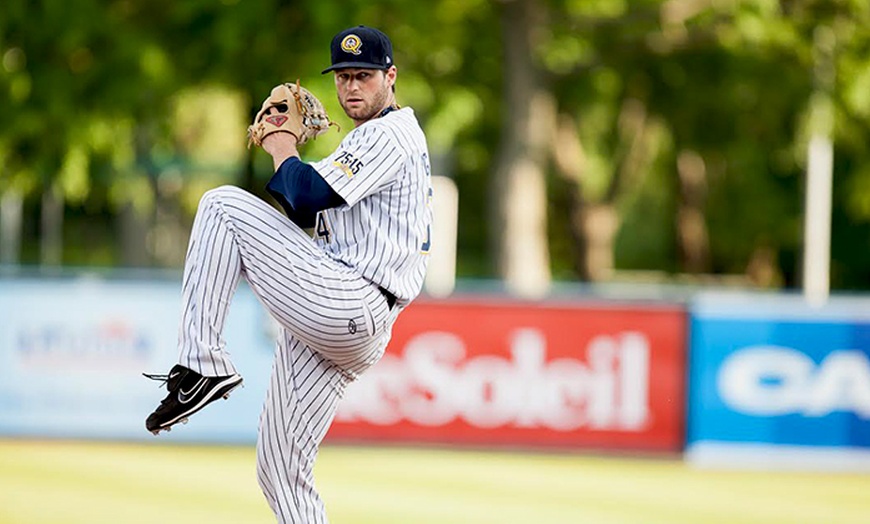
334	325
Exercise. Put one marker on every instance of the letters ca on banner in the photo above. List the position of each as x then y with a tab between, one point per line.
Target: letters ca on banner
768	381
494	373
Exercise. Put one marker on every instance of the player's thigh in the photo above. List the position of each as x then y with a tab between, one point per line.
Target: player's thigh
343	320
322	302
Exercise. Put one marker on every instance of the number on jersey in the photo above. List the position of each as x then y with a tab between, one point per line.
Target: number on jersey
321	227
424	249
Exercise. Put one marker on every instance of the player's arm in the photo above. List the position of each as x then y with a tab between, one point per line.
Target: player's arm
297	186
300	187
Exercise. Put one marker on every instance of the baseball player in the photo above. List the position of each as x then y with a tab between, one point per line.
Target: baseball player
335	293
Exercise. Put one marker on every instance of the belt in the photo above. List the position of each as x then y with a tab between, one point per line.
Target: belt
391	298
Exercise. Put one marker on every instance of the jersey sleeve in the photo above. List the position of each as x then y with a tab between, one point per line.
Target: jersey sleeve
365	161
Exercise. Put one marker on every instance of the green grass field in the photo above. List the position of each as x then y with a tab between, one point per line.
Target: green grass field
78	482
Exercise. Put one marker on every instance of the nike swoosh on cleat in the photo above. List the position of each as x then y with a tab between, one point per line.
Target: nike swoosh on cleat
185	397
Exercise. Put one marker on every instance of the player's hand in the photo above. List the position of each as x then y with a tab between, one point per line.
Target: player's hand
278	142
281	145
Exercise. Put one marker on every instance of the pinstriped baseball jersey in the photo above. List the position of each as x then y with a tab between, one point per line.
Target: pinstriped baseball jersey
332	296
381	169
324	293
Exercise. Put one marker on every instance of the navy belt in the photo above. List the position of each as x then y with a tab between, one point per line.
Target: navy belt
391	298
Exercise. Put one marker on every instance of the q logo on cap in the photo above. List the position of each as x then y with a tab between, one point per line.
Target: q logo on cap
351	44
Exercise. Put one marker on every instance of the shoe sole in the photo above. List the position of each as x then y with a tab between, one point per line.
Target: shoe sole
223	389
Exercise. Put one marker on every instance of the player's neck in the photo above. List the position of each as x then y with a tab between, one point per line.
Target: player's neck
387	109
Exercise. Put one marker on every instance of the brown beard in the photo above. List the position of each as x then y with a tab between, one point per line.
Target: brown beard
368	111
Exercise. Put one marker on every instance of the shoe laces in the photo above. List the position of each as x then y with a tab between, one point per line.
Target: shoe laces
163	379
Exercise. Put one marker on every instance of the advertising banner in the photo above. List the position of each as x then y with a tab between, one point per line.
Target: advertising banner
72	354
776	381
522	374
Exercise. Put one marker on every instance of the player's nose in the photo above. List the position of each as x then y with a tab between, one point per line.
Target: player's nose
353	84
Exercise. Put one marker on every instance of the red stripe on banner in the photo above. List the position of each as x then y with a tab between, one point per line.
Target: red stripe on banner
513	374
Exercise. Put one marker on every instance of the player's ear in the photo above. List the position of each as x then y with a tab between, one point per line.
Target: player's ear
390	74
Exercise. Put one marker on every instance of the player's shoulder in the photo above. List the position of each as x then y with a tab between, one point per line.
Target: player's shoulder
402	125
399	127
397	122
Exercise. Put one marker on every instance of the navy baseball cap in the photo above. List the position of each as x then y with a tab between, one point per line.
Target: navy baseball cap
363	47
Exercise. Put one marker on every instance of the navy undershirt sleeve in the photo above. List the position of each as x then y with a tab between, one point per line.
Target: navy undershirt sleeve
301	191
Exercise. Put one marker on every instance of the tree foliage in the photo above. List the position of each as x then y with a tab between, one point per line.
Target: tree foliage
677	146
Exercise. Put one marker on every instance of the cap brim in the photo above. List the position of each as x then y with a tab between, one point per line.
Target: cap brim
356	65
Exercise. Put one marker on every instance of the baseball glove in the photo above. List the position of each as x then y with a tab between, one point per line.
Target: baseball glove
296	111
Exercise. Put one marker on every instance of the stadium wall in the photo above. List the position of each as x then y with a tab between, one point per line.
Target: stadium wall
745	380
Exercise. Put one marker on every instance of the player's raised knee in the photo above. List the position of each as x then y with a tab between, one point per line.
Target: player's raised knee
219	194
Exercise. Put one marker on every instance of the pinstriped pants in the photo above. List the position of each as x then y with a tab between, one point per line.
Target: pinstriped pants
334	325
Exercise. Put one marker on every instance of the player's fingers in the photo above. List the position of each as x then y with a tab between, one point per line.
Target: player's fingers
274	140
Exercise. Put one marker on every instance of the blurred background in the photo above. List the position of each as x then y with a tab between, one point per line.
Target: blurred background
653	237
590	140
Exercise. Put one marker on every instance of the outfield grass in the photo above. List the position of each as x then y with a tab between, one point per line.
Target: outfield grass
64	482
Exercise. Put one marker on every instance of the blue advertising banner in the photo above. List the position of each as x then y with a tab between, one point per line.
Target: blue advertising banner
774	380
72	354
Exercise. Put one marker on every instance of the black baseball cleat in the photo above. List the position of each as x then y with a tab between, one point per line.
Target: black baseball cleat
189	392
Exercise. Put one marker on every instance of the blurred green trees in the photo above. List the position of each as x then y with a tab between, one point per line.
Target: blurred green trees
590	139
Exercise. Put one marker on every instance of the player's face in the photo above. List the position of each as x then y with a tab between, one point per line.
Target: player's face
364	93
